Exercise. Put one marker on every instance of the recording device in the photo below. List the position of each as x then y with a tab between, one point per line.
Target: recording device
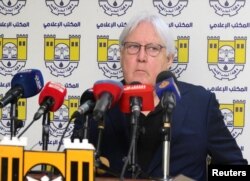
87	103
145	92
24	84
165	82
51	98
107	93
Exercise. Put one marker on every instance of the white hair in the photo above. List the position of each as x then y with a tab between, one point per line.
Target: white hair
158	23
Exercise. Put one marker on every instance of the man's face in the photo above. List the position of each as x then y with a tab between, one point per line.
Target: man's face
142	66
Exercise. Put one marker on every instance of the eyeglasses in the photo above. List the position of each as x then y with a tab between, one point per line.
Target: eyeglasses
151	49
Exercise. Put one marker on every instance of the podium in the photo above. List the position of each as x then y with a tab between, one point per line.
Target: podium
74	164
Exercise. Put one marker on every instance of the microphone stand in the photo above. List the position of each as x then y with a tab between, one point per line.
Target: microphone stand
45	134
132	152
86	127
14	122
136	104
13	118
82	128
134	122
98	162
168	102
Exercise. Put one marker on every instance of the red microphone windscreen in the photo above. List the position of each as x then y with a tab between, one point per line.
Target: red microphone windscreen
138	90
56	91
113	87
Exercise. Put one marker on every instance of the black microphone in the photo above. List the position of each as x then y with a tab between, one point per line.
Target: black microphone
87	103
166	89
26	83
166	82
107	93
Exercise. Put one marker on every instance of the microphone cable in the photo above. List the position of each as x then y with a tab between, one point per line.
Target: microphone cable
64	132
67	126
26	128
128	157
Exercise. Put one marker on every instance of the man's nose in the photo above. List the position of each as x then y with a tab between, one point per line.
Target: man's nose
142	54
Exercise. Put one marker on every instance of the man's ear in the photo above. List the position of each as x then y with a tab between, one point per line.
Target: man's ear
170	58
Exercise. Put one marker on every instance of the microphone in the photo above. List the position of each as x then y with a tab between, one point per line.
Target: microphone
168	93
136	89
87	103
51	98
107	93
165	82
136	97
24	84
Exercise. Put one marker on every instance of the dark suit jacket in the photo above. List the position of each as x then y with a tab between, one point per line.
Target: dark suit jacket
197	130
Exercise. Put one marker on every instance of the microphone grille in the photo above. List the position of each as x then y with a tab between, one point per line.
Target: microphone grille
164	75
87	95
